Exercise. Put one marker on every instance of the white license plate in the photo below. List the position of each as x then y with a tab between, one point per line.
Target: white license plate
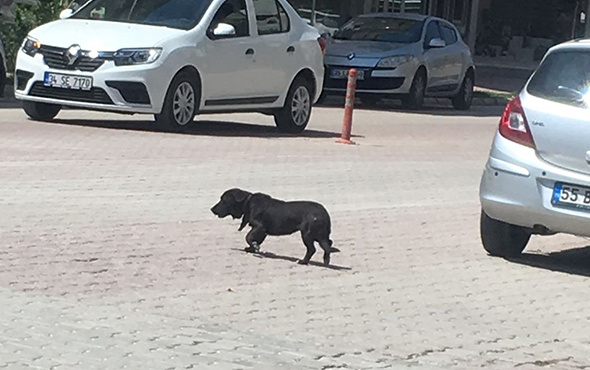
339	74
67	81
568	195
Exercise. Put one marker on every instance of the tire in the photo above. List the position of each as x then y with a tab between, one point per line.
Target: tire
502	239
464	98
181	103
41	111
2	78
415	98
294	116
322	98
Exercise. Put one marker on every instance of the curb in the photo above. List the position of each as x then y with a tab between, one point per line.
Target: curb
476	101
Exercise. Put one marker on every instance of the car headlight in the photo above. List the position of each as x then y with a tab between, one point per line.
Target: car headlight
128	57
31	46
393	62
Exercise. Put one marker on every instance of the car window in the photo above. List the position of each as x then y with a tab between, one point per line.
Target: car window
233	12
448	34
183	14
271	17
386	29
564	77
432	32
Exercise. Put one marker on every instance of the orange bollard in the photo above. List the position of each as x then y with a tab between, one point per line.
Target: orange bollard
349	107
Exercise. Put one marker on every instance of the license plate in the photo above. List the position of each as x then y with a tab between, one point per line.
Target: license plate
71	82
339	74
573	196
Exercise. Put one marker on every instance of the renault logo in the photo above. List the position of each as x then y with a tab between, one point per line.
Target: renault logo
72	54
351	56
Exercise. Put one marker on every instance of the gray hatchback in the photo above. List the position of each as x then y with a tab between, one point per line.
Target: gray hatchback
407	56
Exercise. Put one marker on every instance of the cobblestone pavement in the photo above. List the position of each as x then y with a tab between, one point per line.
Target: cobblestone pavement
111	259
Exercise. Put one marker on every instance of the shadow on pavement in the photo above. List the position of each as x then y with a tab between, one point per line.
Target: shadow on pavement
293	259
390	105
572	261
201	128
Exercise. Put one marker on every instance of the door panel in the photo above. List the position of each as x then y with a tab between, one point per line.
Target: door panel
435	58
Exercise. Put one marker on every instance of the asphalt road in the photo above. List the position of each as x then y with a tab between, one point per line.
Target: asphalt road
111	259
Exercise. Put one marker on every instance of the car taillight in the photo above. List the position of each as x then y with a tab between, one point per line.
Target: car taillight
514	125
323	44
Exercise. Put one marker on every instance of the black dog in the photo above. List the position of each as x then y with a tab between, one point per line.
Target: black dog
269	216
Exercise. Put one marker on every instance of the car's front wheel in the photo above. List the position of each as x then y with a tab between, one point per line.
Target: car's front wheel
465	96
2	78
41	111
180	104
295	114
415	97
502	239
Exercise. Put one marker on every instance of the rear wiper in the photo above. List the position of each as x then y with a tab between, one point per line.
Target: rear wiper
571	92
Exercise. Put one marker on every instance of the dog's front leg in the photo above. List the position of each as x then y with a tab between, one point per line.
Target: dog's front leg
254	238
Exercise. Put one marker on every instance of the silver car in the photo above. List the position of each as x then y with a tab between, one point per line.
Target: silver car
407	56
537	177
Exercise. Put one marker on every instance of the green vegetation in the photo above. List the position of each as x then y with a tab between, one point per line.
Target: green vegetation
27	18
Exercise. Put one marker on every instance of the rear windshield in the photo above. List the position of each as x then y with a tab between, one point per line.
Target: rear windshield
183	14
384	29
564	77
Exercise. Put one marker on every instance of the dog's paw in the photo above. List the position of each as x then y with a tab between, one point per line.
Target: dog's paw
302	262
251	249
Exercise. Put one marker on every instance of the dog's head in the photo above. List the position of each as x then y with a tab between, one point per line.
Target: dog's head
231	203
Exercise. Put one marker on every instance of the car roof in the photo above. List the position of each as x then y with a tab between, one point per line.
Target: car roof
411	16
573	44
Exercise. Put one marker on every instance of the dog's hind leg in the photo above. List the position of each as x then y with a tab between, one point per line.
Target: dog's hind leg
327	247
308	241
255	238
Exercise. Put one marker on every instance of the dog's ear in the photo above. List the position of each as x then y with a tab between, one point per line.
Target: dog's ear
240	195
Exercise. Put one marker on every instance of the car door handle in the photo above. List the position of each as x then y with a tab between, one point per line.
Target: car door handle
291	49
250	52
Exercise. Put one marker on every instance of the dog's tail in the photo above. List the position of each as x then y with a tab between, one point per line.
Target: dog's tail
327	246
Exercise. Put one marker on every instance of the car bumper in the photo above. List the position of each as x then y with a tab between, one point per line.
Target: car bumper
376	81
517	187
129	89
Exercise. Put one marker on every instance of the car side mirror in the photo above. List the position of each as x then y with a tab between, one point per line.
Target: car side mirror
224	30
437	43
66	13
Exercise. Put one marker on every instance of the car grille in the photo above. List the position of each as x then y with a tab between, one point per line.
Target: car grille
369	83
95	95
54	58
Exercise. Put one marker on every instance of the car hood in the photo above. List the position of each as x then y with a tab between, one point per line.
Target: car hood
101	35
365	49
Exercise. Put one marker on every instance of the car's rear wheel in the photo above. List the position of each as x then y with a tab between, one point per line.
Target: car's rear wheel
415	97
41	111
502	239
295	114
464	98
180	104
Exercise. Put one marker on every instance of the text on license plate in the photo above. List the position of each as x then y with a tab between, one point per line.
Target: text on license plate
569	195
67	81
343	73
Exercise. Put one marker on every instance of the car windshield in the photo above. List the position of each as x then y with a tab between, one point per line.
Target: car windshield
385	29
564	77
183	14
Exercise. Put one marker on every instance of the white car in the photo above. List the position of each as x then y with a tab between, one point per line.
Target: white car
537	177
174	59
